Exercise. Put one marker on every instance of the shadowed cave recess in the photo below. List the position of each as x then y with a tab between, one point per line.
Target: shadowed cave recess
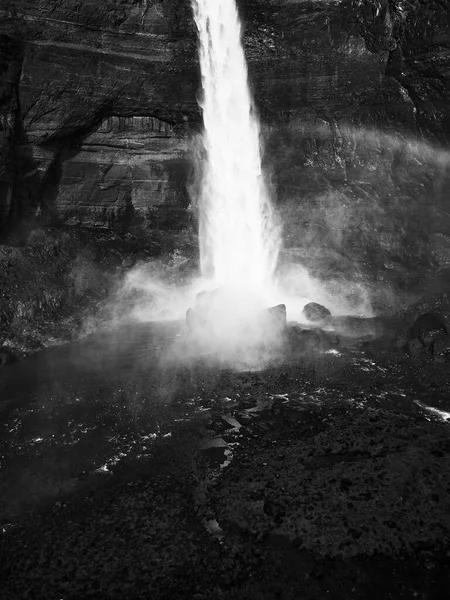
153	443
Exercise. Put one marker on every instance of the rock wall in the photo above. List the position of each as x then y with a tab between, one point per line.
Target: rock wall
355	98
96	100
99	104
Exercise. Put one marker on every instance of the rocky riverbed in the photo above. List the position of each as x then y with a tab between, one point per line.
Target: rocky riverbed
325	474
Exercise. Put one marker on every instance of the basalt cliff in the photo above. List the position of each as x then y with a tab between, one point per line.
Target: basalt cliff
99	118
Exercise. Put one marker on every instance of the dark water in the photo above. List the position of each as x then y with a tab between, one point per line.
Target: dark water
78	412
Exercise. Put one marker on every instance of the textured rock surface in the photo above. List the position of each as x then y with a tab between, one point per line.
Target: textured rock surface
99	104
358	155
193	481
99	133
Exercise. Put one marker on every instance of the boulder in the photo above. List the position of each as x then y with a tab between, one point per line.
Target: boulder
316	313
277	315
128	262
427	328
309	341
202	299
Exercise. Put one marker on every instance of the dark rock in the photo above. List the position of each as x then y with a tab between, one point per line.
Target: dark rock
427	328
127	262
297	542
441	348
316	313
277	315
293	333
202	299
415	349
306	340
309	341
190	318
92	149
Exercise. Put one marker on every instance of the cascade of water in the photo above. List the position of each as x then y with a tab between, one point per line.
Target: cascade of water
239	239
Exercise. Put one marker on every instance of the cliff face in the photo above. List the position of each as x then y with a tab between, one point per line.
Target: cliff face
355	97
99	104
97	101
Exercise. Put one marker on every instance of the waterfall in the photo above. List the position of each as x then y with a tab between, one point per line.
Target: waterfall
238	237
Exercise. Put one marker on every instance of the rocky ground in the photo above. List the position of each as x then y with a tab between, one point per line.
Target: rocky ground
324	474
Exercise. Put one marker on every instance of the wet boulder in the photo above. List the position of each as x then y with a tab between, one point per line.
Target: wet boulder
308	341
277	315
427	328
202	299
198	317
195	320
292	334
316	313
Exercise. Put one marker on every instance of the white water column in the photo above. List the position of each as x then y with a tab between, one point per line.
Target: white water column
239	240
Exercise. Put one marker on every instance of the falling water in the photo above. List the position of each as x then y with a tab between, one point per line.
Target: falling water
238	236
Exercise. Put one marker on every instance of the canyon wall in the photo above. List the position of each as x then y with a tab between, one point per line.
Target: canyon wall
96	99
99	115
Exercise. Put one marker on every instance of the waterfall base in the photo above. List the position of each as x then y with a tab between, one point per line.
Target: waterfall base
230	321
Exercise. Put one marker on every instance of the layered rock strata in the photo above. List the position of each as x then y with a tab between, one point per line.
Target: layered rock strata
99	110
